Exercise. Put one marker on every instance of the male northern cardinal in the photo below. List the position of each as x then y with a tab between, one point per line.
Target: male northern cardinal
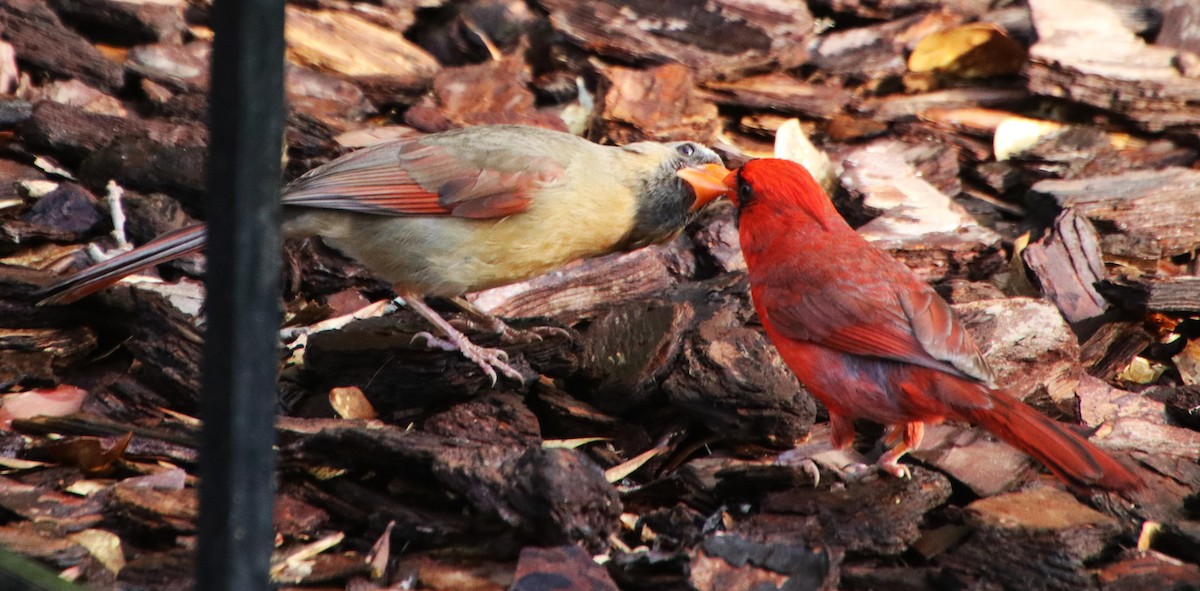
871	340
464	210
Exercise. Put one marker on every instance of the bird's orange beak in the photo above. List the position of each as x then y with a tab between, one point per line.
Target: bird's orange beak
707	183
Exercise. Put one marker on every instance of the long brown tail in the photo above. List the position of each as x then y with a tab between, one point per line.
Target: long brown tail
165	248
1064	452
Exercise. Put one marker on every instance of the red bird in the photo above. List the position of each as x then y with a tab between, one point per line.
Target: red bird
871	340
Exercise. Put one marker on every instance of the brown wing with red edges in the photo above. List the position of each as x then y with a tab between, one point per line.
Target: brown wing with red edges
406	177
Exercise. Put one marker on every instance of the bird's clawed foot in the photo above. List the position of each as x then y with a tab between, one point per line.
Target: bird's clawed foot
820	452
904	437
892	466
485	322
508	334
489	360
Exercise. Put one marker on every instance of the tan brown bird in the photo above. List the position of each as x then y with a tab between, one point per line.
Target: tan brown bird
464	210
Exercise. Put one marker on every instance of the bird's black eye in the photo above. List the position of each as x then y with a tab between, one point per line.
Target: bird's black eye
686	149
745	192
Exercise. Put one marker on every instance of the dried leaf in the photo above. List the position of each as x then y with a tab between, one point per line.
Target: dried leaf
571	443
104	545
1140	371
1018	134
88	453
298	564
791	143
976	50
350	403
381	552
630	466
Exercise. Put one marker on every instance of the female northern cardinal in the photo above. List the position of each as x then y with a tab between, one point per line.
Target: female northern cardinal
464	210
871	340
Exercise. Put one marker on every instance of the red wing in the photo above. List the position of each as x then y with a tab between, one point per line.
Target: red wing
406	177
883	320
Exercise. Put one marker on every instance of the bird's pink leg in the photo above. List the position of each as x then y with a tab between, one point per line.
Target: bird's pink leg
907	437
841	433
489	360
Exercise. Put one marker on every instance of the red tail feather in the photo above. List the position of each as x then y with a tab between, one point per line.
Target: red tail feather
1064	452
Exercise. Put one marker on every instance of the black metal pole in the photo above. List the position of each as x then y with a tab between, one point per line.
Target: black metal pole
237	462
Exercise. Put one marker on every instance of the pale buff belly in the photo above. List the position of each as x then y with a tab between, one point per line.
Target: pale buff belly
451	256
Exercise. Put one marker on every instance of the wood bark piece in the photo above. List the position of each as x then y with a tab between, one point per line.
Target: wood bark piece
147	510
1099	61
1034	539
169	346
1067	264
1182	403
1156	294
1187	362
1181	540
891	9
381	60
154	569
126	22
27	539
149	165
905	107
1112	347
62	346
55	512
718	238
379	356
877	52
69	210
1148	571
659	103
563	567
475	31
877	516
181	68
368	507
576	290
1052	149
920	224
549	495
41	40
1139	426
499	418
731	379
985	465
721	39
1027	343
724	562
1178	20
176	79
1140	214
494	92
780	92
900	578
629	349
71	134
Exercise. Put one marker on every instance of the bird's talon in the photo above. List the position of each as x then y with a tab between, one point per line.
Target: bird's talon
433	342
809	466
897	470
